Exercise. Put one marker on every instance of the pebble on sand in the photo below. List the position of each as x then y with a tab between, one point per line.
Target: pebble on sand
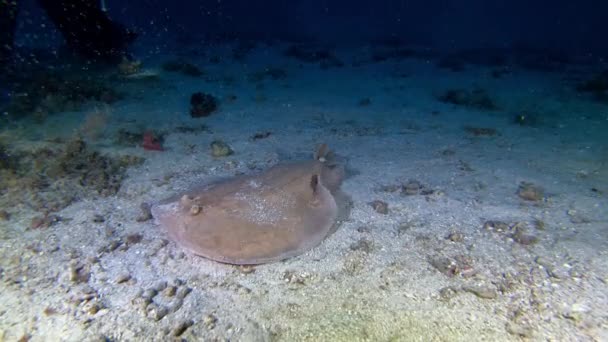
220	149
530	192
380	207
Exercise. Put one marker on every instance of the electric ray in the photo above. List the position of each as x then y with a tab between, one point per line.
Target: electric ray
254	219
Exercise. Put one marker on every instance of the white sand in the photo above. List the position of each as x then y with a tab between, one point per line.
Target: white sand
554	290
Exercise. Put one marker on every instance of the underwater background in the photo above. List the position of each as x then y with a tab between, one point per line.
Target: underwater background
438	170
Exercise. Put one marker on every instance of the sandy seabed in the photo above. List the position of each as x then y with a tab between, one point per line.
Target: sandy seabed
463	224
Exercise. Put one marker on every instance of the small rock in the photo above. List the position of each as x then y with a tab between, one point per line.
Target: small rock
23	338
539	224
79	273
220	149
93	308
363	245
405	227
109	231
390	188
429	192
481	291
111	246
246	269
292	277
467	272
169	291
149	294
577	272
156	247
141	303
261	135
146	213
202	105
133	239
4	215
448	293
576	312
455	237
576	217
380	207
544	262
520	236
574	316
558	273
97	218
242	290
100	338
177	282
412	187
519	330
530	192
175	305
496	226
49	311
182	292
464	166
160	286
525	239
45	221
364	229
156	312
122	278
209	321
181	327
444	265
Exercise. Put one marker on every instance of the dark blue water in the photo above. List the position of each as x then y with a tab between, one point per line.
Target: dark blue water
565	26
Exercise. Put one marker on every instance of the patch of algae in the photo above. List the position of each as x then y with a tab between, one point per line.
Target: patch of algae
376	323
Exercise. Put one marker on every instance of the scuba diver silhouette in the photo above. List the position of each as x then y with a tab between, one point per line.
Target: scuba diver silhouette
84	24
